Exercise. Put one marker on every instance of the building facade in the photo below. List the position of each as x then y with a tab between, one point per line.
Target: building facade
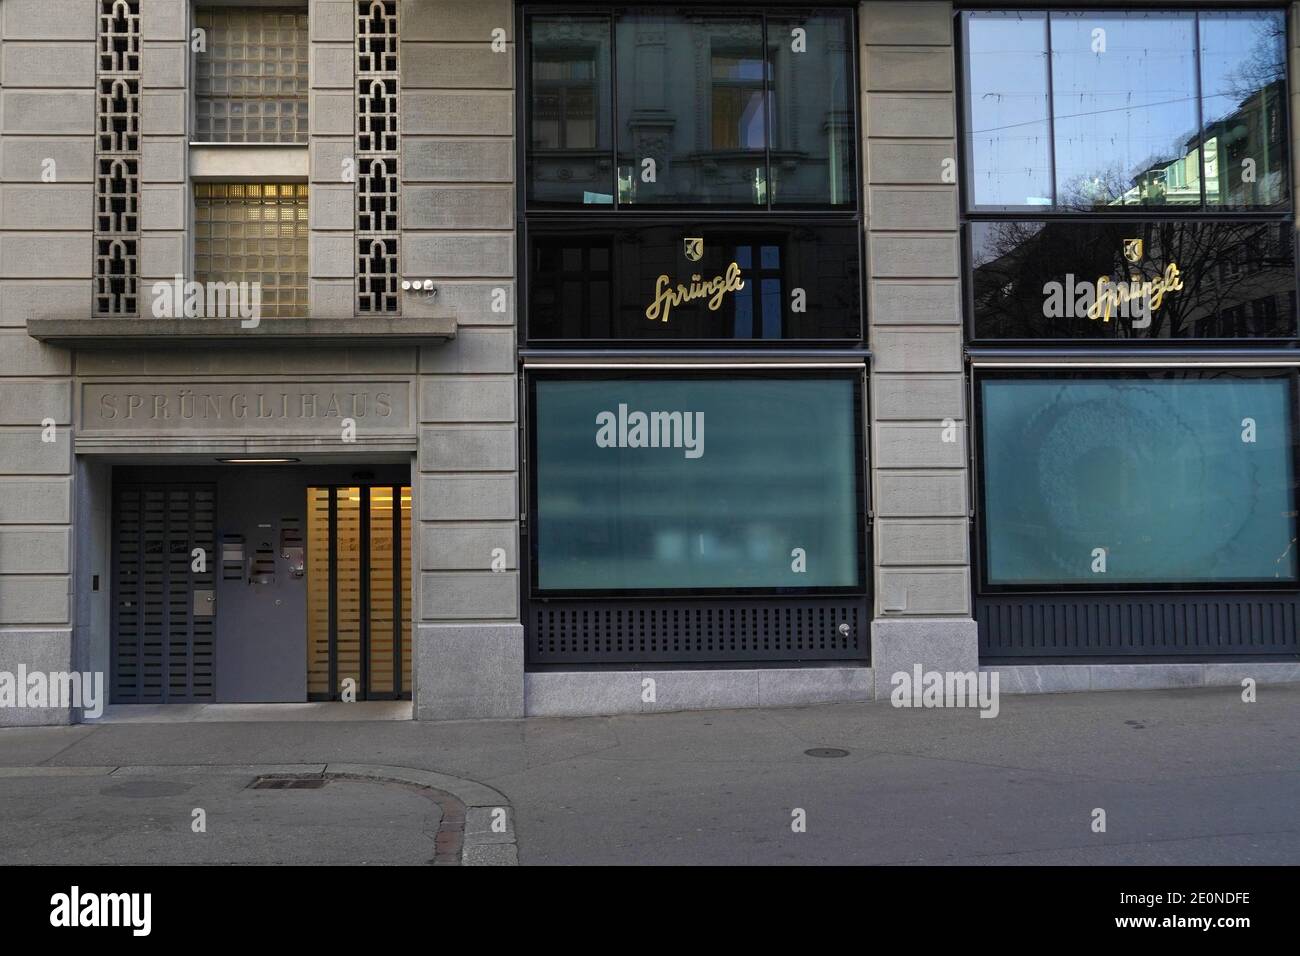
542	359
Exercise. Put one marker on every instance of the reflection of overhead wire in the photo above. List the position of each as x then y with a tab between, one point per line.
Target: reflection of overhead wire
1063	116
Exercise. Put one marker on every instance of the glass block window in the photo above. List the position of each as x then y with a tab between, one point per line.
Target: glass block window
250	84
254	232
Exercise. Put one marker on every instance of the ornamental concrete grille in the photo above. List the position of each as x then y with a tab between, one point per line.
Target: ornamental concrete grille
117	159
254	232
377	137
250	84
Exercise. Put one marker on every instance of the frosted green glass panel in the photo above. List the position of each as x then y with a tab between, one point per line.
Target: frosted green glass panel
1157	475
672	507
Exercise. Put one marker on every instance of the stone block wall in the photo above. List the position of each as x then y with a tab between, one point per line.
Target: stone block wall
47	117
458	228
919	446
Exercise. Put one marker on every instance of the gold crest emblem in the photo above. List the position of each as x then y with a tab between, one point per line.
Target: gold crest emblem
1133	250
694	249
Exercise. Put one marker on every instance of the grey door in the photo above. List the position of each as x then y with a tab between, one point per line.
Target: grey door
261	638
163	620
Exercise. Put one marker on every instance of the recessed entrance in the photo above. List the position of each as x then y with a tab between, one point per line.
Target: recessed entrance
358	587
273	584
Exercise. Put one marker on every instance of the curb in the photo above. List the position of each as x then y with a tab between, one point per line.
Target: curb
484	806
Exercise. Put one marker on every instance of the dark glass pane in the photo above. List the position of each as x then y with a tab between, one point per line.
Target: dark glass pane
691	123
1133	280
1243	91
648	484
1107	481
1124	104
569	297
741	286
570	155
813	157
1008	139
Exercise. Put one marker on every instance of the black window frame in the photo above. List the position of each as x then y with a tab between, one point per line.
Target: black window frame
969	209
979	559
763	9
532	593
1066	343
969	213
693	225
612	216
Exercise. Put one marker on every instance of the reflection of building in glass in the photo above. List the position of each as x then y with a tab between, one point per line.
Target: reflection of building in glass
1243	160
668	109
1238	278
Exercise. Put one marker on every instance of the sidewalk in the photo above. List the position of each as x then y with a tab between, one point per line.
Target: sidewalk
1184	777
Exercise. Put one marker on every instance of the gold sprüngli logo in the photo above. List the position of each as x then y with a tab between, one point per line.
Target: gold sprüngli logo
694	248
1133	250
715	289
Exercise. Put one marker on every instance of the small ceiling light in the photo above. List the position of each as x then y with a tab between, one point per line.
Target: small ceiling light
258	461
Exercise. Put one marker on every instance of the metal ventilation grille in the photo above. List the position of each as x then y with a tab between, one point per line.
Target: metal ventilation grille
696	633
162	650
1138	625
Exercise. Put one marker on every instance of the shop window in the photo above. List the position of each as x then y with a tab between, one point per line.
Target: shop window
695	282
1156	280
254	233
661	485
1098	110
671	108
1113	480
250	80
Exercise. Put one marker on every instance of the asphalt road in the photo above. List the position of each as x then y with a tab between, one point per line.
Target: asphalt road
1184	777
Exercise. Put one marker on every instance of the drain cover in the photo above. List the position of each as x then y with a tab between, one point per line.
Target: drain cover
286	783
826	752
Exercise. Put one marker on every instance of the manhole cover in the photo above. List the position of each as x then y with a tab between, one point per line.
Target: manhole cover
826	752
286	783
147	788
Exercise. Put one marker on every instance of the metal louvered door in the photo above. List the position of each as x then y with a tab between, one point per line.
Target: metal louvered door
163	592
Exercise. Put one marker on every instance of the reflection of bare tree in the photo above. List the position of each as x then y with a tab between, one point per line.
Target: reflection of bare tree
1106	187
1238	278
1263	65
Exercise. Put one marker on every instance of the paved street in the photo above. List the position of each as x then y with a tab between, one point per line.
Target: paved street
1184	777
